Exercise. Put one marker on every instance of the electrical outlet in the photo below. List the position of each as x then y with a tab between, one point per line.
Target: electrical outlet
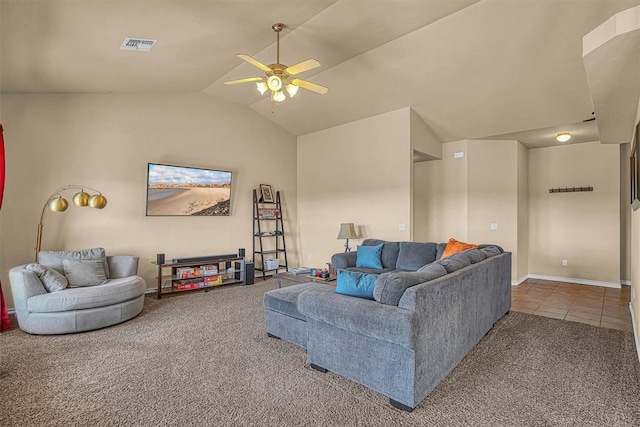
458	155
565	263
494	225
402	227
309	257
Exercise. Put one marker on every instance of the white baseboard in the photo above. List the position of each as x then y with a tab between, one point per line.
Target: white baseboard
575	280
626	282
635	331
519	281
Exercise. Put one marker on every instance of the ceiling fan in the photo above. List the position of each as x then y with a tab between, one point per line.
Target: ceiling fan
279	76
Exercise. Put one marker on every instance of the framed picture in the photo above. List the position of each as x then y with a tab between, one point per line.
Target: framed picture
267	193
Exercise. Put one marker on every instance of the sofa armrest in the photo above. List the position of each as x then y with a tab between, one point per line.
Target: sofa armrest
343	260
24	285
122	266
362	316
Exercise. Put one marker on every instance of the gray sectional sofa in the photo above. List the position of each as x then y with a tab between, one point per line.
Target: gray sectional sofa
420	325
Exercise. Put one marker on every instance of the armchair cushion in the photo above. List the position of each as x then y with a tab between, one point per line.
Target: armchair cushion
84	272
50	278
54	259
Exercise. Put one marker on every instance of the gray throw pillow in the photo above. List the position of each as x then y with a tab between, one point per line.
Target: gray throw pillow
50	278
391	286
84	272
53	259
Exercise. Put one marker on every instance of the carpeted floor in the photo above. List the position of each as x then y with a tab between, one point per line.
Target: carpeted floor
204	359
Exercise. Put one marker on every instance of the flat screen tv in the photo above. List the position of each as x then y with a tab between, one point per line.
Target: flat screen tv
186	191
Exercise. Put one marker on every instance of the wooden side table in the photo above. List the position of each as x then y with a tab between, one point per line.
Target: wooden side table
332	269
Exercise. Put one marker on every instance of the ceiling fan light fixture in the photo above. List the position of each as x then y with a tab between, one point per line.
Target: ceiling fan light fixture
262	87
563	136
291	89
274	83
278	96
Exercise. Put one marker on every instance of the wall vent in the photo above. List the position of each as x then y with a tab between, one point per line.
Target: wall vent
136	43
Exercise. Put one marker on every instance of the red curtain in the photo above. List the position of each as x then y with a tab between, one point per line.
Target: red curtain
4	314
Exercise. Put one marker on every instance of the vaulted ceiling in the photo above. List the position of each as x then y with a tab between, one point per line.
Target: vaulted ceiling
469	68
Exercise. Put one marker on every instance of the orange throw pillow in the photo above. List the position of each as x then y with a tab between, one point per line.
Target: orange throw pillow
454	246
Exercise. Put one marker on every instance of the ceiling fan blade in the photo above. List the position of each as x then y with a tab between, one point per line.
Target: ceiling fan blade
247	80
310	86
251	60
307	65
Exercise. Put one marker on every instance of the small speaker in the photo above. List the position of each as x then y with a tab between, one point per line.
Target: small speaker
160	258
241	252
249	273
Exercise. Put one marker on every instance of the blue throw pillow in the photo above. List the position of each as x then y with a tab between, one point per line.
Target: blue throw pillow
356	284
369	256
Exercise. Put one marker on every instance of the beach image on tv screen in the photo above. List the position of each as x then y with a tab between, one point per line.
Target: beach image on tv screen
178	190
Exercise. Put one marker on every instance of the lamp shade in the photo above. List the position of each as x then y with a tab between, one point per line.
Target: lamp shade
347	231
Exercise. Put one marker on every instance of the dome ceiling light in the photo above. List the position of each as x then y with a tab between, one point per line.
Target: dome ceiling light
563	136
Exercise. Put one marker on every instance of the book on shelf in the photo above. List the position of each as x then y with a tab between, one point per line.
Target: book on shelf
300	270
268	213
185	286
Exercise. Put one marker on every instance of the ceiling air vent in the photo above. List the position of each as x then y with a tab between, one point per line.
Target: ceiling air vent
134	43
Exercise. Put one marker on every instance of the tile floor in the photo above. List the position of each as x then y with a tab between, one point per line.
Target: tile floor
605	307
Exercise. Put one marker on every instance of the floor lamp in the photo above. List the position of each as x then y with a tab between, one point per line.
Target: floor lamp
57	203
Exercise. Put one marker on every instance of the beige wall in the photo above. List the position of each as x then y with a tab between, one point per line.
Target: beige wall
464	196
106	141
625	214
359	172
635	268
581	227
522	264
441	198
492	168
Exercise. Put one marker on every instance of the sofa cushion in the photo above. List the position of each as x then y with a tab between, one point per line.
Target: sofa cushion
50	278
454	263
454	246
475	255
414	255
54	259
369	256
113	292
285	300
84	272
390	250
491	250
391	286
356	284
440	247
